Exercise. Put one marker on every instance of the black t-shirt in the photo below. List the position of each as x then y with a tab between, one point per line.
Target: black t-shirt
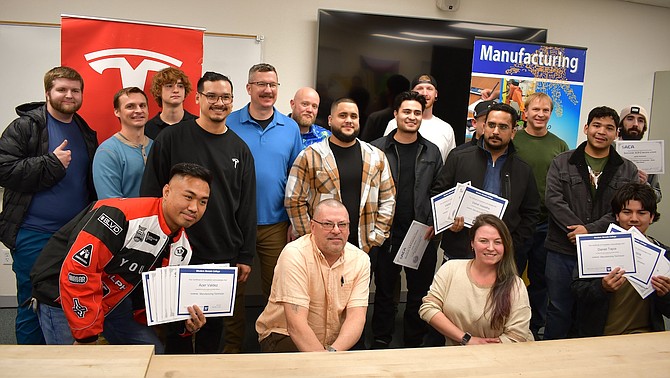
263	122
350	166
404	214
155	125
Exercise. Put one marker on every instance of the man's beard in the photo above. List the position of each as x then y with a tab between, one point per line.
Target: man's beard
65	109
492	147
302	122
343	137
626	136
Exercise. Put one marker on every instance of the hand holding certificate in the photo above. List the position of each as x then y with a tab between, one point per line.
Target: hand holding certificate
169	291
649	259
464	201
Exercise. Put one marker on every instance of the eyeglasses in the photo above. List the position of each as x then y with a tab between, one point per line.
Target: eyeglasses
213	99
500	126
262	84
328	226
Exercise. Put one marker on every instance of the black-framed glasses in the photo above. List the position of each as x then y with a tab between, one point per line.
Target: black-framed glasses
262	84
329	226
213	99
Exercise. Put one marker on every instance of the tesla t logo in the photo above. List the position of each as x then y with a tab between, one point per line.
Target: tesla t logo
130	77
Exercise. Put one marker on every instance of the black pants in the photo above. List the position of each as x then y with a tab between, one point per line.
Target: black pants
207	341
387	275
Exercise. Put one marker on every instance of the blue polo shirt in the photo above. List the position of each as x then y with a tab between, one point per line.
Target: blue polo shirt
274	149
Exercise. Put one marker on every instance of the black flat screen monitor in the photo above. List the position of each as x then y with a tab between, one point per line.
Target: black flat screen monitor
358	52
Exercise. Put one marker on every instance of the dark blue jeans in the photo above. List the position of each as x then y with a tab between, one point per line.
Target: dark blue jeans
561	302
120	327
28	247
537	289
386	276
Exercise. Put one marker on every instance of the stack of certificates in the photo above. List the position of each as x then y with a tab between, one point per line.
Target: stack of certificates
170	290
630	250
464	200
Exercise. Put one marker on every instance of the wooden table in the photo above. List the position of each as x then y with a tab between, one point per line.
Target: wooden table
74	361
643	355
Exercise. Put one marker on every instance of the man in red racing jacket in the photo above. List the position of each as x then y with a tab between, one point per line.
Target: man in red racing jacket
84	277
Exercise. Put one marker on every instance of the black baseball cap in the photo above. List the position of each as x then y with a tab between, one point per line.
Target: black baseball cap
424	79
482	108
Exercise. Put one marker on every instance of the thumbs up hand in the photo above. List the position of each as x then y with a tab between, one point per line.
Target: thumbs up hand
65	156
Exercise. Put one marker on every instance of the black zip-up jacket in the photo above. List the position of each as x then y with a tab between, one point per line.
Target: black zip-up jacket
428	166
518	187
27	166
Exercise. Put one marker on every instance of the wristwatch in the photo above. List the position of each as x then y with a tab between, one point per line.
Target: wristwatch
330	348
466	338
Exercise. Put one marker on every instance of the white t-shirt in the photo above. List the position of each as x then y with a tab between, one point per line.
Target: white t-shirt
436	131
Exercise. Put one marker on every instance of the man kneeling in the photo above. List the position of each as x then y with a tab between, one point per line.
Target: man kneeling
610	305
87	279
320	289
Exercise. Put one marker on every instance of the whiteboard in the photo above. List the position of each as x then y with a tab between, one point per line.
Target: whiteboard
30	50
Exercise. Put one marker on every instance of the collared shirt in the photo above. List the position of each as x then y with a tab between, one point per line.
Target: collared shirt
274	147
304	278
315	134
492	179
315	177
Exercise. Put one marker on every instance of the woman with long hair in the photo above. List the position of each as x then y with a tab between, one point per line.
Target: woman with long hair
482	300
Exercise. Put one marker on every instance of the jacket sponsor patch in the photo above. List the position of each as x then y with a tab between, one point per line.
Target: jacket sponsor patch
109	223
77	279
181	252
139	235
152	238
83	256
105	290
79	309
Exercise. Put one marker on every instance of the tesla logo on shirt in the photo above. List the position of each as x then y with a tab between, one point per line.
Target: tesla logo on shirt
236	162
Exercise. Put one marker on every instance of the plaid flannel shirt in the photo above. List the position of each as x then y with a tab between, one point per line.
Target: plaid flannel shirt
314	177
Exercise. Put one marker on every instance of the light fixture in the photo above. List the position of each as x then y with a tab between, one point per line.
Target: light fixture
431	36
398	38
482	27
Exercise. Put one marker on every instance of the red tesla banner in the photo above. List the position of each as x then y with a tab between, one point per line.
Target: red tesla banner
112	54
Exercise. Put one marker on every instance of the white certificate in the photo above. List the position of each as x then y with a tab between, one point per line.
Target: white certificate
613	228
212	289
646	258
413	246
476	201
441	207
148	305
599	254
662	269
648	155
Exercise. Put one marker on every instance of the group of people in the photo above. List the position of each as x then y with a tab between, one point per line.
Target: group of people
324	211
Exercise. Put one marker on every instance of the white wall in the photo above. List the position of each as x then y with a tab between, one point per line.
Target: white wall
626	42
607	28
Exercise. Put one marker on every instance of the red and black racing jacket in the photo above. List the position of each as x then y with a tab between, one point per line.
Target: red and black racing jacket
96	260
